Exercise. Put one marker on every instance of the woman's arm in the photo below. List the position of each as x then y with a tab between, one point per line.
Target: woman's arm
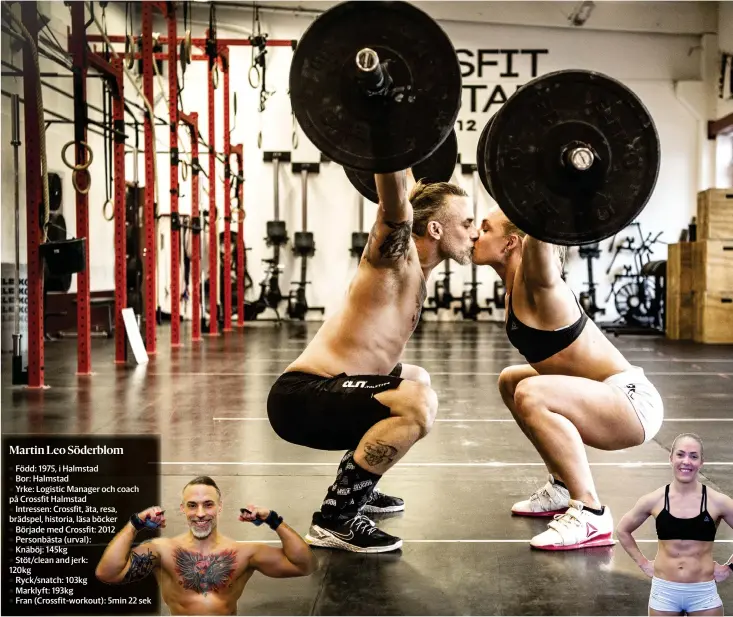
630	522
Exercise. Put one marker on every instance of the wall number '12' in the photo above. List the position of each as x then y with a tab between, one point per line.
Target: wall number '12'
470	125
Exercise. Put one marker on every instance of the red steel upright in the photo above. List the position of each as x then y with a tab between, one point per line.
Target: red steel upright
175	225
79	51
113	73
213	274
149	251
226	285
238	150
34	197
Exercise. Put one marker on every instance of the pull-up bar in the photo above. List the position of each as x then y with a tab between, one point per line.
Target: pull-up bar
201	42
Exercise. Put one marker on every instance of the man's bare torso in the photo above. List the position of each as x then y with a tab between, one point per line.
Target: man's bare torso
194	583
368	334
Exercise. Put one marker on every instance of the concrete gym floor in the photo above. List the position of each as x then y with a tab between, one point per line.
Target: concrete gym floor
464	554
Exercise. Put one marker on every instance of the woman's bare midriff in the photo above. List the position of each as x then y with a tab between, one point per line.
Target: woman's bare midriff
591	356
684	561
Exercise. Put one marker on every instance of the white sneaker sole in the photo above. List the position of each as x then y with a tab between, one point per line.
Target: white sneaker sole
318	536
375	510
605	539
547	513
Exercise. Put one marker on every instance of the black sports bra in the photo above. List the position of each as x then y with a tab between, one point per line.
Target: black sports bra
537	345
701	527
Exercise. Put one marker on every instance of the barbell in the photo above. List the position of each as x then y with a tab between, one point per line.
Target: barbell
438	167
572	157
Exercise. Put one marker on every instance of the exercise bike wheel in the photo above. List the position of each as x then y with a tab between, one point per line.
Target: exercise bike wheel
633	303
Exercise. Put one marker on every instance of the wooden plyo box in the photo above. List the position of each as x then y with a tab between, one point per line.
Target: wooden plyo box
714	317
679	316
679	267
712	264
715	214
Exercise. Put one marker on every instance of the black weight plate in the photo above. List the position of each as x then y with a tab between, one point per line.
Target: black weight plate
55	192
134	272
132	239
376	134
56	230
524	152
480	154
438	167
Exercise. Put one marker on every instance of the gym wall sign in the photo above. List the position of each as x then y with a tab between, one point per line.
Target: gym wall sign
482	70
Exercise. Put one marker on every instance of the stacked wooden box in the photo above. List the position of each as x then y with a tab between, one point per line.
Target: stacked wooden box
700	275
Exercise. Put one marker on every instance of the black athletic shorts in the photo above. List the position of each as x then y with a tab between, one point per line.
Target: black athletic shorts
328	413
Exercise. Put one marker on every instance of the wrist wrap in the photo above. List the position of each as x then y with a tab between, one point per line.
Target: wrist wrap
273	520
140	524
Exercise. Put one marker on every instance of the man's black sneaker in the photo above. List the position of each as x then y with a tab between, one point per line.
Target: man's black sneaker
358	535
380	503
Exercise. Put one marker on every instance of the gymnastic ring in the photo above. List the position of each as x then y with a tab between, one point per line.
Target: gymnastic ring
75	181
105	209
184	169
188	43
182	56
294	140
259	140
129	51
215	76
83	166
255	83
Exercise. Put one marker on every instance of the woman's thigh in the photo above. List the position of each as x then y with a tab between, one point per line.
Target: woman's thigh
602	413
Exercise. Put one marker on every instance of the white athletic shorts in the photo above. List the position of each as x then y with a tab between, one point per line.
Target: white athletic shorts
683	597
644	398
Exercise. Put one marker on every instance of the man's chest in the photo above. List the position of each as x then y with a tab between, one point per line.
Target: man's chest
201	573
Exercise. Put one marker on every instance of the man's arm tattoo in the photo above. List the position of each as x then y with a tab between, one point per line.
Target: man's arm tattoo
397	242
140	567
378	453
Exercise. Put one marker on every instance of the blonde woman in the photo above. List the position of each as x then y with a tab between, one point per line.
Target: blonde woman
576	390
687	515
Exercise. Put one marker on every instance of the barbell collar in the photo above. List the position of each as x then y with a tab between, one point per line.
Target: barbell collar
580	158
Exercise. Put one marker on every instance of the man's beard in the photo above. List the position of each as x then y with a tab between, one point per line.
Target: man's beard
200	533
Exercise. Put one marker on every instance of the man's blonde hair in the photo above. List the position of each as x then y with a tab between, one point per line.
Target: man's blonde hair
428	202
510	228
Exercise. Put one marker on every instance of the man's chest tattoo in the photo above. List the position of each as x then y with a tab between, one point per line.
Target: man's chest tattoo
205	573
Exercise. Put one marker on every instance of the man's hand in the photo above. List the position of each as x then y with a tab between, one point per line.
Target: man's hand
721	572
647	567
253	513
154	515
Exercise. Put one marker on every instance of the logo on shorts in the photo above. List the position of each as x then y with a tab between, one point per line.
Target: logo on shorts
354	384
631	390
363	384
